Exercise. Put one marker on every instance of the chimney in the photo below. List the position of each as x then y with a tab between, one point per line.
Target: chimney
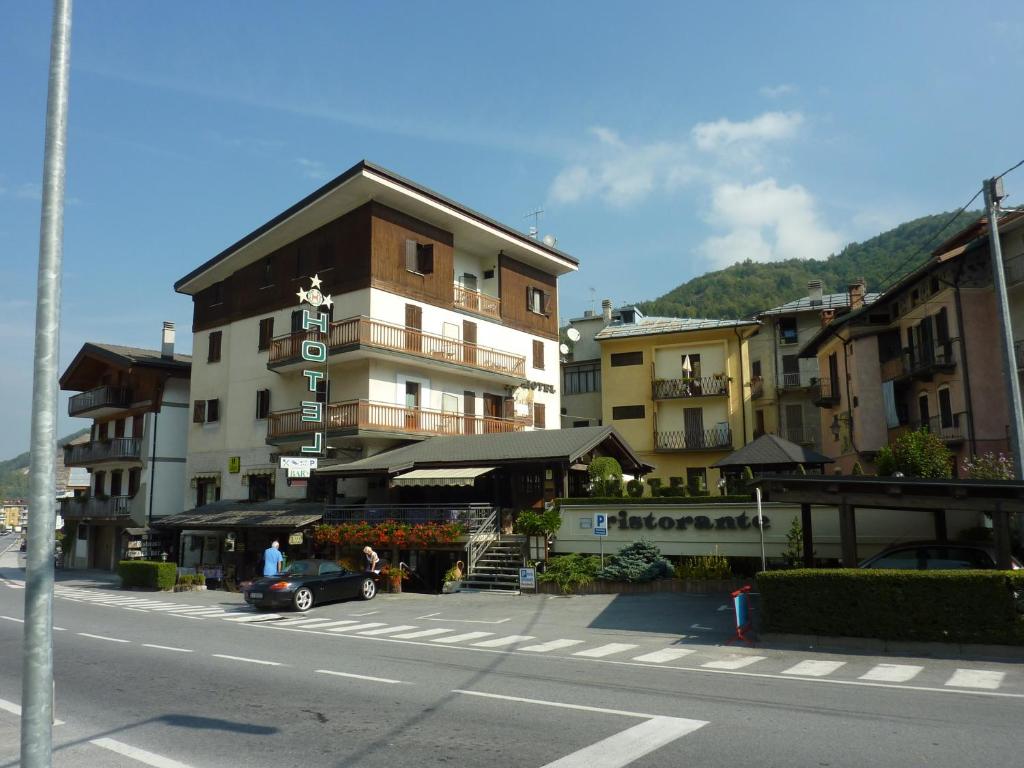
827	316
606	310
167	342
814	291
856	292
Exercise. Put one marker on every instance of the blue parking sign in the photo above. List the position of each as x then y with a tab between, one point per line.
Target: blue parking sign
600	524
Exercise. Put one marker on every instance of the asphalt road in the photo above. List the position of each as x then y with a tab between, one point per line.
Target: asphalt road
199	680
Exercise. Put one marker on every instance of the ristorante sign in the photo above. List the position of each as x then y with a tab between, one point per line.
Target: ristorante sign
651	521
314	350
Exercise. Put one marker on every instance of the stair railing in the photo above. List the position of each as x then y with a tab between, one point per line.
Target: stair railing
486	531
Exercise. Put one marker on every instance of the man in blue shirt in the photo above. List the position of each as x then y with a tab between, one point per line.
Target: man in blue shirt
272	560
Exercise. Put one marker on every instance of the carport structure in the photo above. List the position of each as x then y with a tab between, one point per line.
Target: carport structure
999	498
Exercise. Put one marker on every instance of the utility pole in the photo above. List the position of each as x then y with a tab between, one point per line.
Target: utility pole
993	189
37	667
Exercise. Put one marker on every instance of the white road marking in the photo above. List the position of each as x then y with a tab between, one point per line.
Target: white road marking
299	622
388	630
627	746
669	654
892	673
461	638
166	648
422	633
737	662
15	709
501	642
184	616
725	608
814	668
59	629
552	645
250	617
698	626
102	637
11	618
605	650
251	661
976	678
137	610
430	617
368	613
328	623
149	758
359	677
356	627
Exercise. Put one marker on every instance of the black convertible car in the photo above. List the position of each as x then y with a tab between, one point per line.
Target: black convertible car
308	582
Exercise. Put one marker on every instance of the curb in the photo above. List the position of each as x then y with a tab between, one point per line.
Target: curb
870	645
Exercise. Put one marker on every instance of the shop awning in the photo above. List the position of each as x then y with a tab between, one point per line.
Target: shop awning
224	515
436	477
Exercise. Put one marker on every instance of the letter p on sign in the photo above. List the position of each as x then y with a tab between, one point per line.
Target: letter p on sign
600	524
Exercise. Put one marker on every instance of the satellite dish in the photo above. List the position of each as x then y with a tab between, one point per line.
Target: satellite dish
550	240
564	349
573	334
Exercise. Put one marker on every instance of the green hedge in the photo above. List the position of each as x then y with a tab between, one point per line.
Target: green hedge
662	501
944	606
147	573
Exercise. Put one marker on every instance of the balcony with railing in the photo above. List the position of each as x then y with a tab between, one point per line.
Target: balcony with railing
716	439
100	401
477	302
795	380
756	388
825	393
95	507
702	386
800	434
924	363
362	332
116	449
951	429
354	416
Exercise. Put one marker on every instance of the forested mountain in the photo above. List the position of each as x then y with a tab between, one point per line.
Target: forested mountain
748	287
14	472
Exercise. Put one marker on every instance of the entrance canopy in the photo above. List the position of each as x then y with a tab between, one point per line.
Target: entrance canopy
222	515
442	477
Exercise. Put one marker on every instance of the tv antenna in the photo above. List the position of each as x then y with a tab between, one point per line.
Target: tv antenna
535	214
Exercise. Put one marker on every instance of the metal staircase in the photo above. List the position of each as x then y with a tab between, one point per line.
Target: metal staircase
496	567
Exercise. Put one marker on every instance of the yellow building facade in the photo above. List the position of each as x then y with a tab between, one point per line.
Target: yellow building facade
675	389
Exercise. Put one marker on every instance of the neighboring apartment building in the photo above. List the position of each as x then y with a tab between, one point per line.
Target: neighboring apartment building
441	321
581	369
781	381
675	390
15	515
925	355
138	402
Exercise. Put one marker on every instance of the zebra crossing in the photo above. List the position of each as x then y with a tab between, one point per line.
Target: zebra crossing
710	658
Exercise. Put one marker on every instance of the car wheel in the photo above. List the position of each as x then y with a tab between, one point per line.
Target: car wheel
367	590
303	599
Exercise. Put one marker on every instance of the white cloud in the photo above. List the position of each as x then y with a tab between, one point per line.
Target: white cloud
775	91
766	222
312	169
723	133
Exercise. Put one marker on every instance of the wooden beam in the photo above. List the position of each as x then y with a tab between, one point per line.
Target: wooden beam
848	535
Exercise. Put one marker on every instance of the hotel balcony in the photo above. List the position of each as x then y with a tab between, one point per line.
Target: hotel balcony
361	334
478	303
717	439
100	402
825	393
707	386
923	364
93	508
97	451
358	416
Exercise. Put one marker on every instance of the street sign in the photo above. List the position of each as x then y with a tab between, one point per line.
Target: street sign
298	472
600	524
298	462
527	578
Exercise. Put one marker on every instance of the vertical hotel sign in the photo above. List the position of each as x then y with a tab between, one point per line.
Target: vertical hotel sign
314	350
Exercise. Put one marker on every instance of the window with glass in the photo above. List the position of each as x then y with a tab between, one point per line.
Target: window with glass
787	330
579	379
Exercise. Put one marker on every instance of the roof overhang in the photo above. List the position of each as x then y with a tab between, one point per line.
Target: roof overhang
362	183
465	476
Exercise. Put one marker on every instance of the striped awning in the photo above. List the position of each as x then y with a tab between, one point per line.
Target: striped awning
437	477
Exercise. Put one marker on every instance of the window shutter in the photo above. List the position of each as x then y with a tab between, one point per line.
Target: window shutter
262	403
212	410
427	259
539	416
508	406
411	254
547	303
213	352
198	411
296	320
266	333
538	355
529	296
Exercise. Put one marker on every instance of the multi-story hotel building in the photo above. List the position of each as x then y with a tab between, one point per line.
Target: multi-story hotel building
135	454
441	322
674	388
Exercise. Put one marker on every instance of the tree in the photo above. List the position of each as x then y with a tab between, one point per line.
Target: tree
605	477
640	561
793	554
916	454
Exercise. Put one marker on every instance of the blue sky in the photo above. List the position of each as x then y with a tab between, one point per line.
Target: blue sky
661	139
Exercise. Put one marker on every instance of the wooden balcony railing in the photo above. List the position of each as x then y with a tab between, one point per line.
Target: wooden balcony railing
477	302
117	449
92	507
706	386
387	417
101	397
362	331
717	439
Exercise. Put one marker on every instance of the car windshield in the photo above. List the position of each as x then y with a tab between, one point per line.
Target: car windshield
301	568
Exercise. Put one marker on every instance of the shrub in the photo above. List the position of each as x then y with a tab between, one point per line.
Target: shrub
748	473
655	483
605	476
989	466
665	496
639	561
949	606
793	554
531	523
916	454
857	469
704	568
570	571
676	482
147	573
635	489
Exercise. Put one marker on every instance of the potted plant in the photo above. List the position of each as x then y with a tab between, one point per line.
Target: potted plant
395	575
453	578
